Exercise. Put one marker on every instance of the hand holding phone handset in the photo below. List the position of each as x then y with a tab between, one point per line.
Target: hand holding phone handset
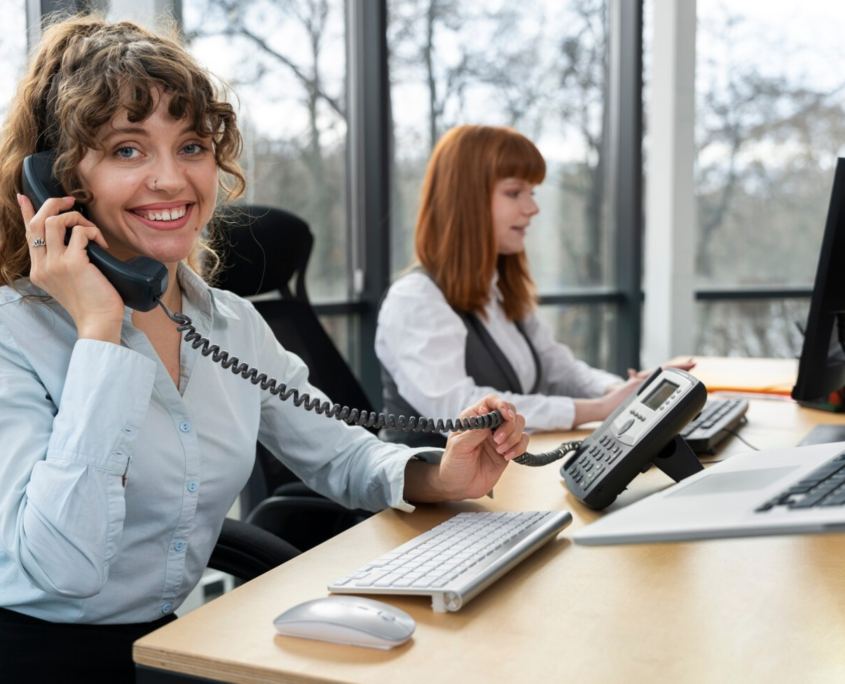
141	282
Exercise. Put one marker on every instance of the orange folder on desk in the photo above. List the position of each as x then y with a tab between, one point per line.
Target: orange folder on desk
755	376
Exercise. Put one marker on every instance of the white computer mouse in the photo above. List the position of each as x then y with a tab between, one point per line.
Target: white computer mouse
347	620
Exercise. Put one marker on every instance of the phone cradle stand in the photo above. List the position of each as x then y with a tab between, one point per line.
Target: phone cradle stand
677	460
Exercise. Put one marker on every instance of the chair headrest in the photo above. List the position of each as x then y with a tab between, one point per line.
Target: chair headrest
263	249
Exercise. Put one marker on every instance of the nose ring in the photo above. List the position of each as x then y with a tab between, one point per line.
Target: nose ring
155	184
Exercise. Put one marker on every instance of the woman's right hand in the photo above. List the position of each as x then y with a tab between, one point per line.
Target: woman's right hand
66	273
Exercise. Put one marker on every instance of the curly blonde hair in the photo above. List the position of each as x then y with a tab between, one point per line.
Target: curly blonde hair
84	72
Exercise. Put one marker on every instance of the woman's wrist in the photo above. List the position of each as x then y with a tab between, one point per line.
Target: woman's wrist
590	410
423	483
102	331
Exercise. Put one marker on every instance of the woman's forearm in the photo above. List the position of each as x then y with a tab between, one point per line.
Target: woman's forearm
589	411
424	485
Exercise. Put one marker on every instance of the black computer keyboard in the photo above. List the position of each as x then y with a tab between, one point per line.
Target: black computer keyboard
713	424
825	486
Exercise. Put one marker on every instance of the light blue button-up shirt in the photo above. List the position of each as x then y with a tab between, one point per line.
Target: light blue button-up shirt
79	418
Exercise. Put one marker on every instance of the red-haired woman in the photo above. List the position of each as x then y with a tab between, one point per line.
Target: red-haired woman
462	321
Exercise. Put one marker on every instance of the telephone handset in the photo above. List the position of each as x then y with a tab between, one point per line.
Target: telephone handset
642	432
142	281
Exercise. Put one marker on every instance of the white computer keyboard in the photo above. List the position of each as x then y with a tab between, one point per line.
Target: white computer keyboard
456	560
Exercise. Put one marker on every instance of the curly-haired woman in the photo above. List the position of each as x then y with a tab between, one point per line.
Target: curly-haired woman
121	448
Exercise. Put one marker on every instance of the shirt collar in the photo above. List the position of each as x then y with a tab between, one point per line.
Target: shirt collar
201	295
495	292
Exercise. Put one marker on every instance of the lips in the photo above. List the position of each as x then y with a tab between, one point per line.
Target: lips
171	216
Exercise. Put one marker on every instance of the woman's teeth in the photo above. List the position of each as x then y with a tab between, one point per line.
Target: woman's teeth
166	214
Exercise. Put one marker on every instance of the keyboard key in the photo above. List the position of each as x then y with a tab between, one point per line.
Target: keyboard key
423	582
808	501
387	580
833	501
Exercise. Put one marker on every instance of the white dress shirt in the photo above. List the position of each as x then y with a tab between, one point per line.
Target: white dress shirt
421	342
77	416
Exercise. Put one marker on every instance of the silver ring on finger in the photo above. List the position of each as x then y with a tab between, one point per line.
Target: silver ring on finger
38	242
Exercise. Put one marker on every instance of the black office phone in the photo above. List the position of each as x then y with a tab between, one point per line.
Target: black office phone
643	431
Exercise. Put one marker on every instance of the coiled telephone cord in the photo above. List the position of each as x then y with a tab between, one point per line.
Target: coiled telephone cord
537	460
369	419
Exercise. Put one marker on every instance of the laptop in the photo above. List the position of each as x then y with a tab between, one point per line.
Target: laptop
784	491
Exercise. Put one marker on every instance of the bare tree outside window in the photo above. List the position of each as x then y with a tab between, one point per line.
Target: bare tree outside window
770	122
286	59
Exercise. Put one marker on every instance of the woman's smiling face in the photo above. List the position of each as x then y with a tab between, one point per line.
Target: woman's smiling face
154	185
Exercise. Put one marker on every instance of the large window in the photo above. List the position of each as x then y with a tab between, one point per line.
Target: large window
12	50
770	123
286	62
539	66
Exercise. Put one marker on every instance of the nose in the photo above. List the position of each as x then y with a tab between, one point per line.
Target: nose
531	207
166	175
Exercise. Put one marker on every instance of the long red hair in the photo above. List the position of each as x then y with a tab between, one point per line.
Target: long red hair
454	238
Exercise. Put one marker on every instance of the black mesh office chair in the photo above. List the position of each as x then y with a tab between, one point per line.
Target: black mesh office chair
247	551
265	250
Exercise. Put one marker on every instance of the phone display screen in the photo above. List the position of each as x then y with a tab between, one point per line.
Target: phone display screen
662	393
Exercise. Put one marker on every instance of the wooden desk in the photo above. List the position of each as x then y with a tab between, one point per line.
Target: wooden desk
751	610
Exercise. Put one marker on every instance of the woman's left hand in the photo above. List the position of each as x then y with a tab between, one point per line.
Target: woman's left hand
475	459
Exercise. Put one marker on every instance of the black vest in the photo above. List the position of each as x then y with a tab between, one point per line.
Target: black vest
485	363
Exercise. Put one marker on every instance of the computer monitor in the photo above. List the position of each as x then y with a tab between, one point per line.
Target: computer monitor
821	369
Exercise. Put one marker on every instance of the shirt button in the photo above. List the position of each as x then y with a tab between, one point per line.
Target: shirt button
193	486
185	427
180	546
165	609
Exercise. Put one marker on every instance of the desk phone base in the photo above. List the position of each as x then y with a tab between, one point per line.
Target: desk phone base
643	431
